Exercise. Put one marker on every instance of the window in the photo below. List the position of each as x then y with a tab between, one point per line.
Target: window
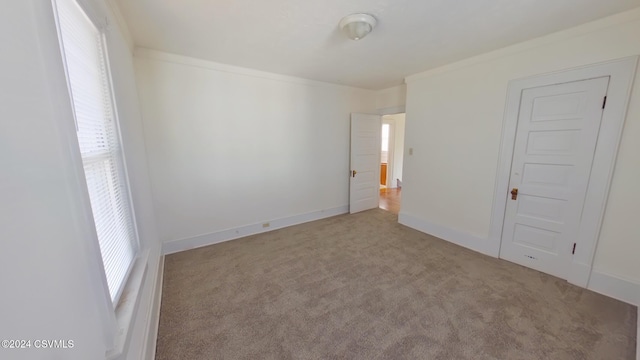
84	55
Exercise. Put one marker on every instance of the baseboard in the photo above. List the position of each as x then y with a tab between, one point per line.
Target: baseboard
620	289
457	237
615	287
235	233
579	274
151	333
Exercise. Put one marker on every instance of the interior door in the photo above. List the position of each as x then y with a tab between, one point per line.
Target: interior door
555	141
364	187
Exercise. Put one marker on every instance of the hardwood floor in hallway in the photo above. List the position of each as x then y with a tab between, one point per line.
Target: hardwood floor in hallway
390	200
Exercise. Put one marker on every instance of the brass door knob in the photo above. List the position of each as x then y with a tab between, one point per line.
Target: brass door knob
514	193
353	173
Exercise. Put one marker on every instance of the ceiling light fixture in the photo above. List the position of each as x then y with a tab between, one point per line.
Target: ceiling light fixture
357	26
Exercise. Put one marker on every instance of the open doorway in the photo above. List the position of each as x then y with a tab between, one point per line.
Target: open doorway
391	161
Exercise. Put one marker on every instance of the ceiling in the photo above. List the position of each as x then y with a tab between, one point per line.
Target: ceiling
301	37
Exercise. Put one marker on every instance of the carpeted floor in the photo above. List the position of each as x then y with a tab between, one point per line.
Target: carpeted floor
364	287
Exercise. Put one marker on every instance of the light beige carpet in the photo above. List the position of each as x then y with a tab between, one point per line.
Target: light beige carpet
364	287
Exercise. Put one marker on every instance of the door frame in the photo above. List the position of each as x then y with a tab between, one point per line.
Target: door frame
391	167
391	152
621	73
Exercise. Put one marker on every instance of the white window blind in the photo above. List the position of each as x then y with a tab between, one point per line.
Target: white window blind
97	131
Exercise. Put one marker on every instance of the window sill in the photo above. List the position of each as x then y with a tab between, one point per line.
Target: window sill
128	307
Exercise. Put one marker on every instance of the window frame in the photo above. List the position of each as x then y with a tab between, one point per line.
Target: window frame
102	27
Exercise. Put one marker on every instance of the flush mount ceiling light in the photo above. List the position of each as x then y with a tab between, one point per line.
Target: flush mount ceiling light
357	26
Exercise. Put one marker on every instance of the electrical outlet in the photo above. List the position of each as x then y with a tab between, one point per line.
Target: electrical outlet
266	225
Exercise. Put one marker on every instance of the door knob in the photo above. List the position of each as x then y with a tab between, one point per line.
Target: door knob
514	193
353	173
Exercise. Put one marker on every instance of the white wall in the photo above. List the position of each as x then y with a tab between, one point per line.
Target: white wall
454	119
47	261
391	100
230	147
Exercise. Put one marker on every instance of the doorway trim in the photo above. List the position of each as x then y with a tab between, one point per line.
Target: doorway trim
391	151
621	73
392	110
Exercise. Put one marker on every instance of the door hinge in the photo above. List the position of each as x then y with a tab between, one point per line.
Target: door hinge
574	249
604	102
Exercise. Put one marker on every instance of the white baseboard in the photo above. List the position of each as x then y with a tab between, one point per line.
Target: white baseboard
615	287
620	289
151	334
175	246
457	237
602	283
605	284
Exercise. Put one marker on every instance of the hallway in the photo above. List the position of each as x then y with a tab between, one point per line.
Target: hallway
390	199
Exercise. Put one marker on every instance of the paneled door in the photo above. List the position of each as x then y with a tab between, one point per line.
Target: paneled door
364	186
553	154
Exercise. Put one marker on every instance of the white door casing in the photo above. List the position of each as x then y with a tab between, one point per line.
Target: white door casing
391	151
364	179
621	73
555	142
